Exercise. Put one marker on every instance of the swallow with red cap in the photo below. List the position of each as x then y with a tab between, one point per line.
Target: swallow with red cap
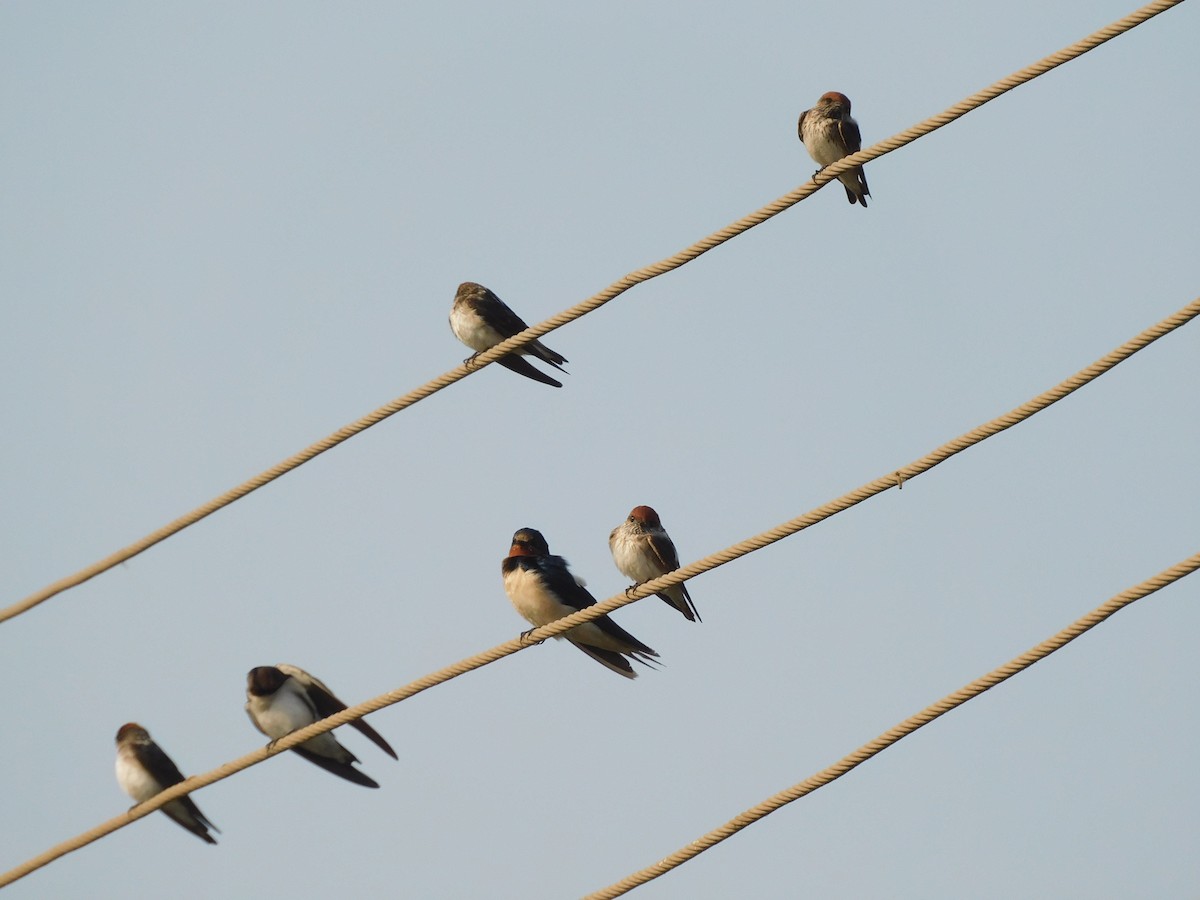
281	699
543	590
481	320
828	133
143	770
643	551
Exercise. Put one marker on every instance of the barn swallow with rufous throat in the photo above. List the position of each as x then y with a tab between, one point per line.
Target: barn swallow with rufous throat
542	589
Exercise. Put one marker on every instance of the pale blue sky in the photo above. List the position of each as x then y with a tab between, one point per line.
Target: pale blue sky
230	228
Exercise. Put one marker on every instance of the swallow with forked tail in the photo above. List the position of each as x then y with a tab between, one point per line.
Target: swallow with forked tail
280	699
828	133
481	320
643	551
542	589
143	770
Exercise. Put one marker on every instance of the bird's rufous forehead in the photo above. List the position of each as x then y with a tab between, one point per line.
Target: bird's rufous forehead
645	515
835	97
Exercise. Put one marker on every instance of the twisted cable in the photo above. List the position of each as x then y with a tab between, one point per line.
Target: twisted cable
649	588
594	302
902	730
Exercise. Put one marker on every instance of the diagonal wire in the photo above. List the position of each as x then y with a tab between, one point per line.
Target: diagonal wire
878	486
594	302
902	730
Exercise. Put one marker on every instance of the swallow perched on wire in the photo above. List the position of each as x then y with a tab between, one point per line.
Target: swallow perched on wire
481	320
643	551
542	589
281	699
829	133
143	770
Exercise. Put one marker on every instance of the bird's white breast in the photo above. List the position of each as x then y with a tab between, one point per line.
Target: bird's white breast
133	778
822	147
634	557
470	328
532	599
282	712
539	606
287	710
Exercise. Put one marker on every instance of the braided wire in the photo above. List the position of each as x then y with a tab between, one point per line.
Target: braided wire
594	302
471	663
893	735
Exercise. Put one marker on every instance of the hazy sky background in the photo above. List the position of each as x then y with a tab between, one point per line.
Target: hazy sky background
230	228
